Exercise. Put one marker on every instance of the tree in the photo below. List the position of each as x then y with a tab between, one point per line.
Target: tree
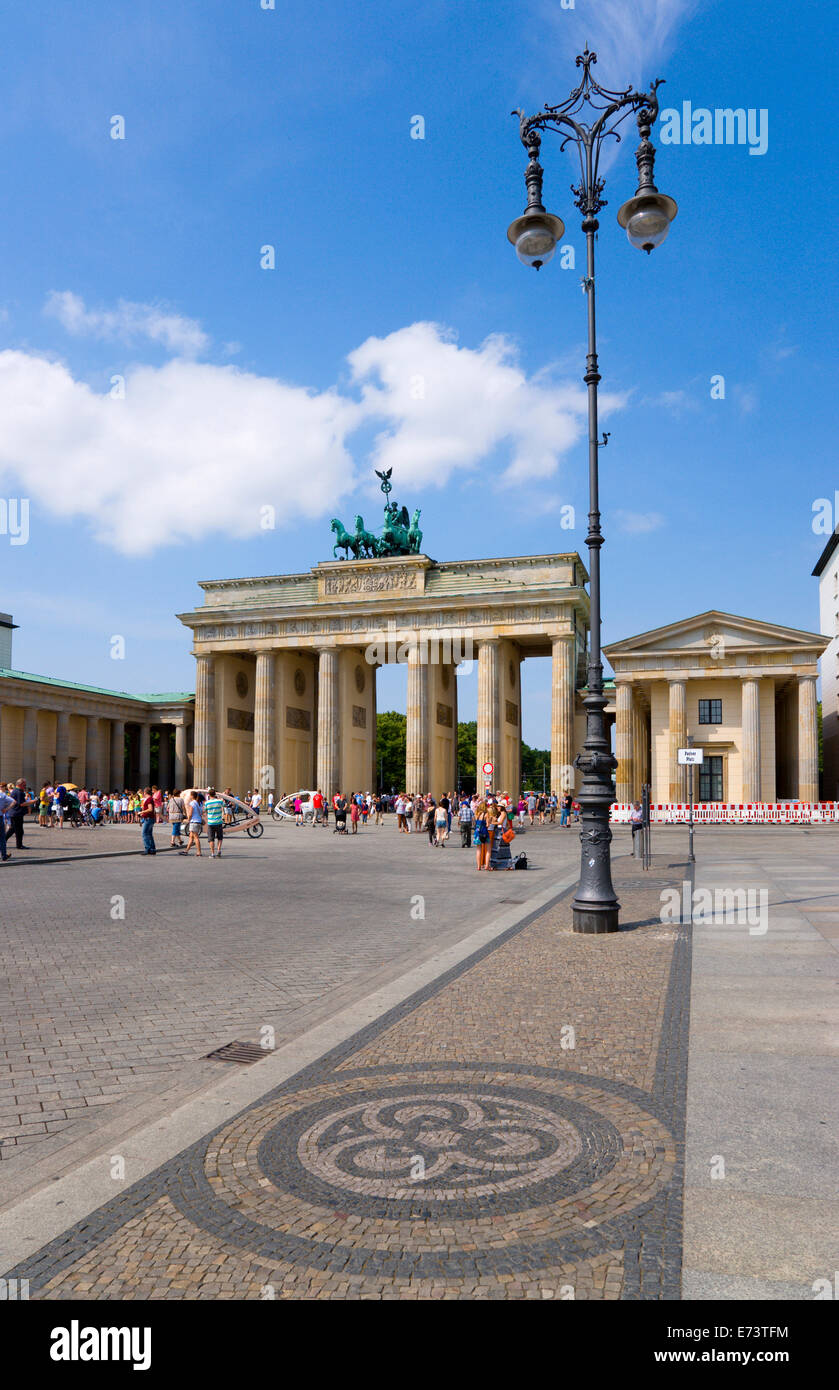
533	760
391	741
467	749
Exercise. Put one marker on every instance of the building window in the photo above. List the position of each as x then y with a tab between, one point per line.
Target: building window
710	778
710	711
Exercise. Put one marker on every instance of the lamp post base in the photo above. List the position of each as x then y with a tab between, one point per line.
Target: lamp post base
595	918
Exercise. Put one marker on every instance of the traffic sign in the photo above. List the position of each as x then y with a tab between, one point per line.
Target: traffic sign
488	769
690	755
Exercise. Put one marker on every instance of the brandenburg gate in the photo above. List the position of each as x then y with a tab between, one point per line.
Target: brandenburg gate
286	665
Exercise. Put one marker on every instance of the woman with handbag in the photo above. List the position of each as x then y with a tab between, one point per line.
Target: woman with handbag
503	836
480	837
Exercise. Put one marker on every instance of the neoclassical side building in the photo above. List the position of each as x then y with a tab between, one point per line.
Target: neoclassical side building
744	689
54	730
286	667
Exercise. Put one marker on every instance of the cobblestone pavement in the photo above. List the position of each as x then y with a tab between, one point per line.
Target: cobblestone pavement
99	1011
514	1130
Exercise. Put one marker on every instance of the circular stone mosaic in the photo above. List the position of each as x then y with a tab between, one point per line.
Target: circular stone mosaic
441	1145
441	1170
438	1146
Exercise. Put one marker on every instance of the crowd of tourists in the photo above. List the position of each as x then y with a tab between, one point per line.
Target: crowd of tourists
486	823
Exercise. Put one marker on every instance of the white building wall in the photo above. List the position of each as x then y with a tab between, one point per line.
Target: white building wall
829	625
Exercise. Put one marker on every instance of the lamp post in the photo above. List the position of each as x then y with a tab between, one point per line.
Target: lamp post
535	235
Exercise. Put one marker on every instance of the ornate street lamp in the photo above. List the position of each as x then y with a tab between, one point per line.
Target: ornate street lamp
535	235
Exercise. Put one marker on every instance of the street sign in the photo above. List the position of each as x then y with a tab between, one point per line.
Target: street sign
690	755
488	769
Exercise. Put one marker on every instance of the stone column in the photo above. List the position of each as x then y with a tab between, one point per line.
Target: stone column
205	721
30	745
62	746
640	759
751	740
563	690
489	711
329	723
91	753
455	753
144	765
180	756
164	760
416	743
678	739
374	733
808	743
117	755
264	760
625	731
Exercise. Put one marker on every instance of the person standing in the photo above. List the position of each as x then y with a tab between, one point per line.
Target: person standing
466	820
565	811
500	856
22	802
481	837
214	807
340	807
354	814
7	802
177	816
195	821
147	813
441	823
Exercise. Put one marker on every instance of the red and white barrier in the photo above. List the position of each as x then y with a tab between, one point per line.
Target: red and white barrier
725	813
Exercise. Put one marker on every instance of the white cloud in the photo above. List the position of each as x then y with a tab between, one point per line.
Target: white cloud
638	523
196	449
677	402
630	40
449	407
127	323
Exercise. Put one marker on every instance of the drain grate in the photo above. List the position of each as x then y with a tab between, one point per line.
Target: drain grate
242	1052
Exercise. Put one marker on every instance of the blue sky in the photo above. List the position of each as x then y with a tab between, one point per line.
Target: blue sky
140	258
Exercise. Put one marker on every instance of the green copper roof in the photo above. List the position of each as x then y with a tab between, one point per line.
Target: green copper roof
174	697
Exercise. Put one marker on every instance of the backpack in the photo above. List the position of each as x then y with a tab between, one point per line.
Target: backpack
520	861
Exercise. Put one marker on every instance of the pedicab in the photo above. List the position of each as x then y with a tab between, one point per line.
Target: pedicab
242	815
284	808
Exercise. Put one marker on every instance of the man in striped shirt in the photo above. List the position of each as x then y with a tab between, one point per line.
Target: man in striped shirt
214	808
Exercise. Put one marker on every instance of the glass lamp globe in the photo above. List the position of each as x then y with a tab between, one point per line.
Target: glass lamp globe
647	219
535	236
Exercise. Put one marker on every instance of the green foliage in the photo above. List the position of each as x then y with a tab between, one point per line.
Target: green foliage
391	735
533	761
467	749
391	738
